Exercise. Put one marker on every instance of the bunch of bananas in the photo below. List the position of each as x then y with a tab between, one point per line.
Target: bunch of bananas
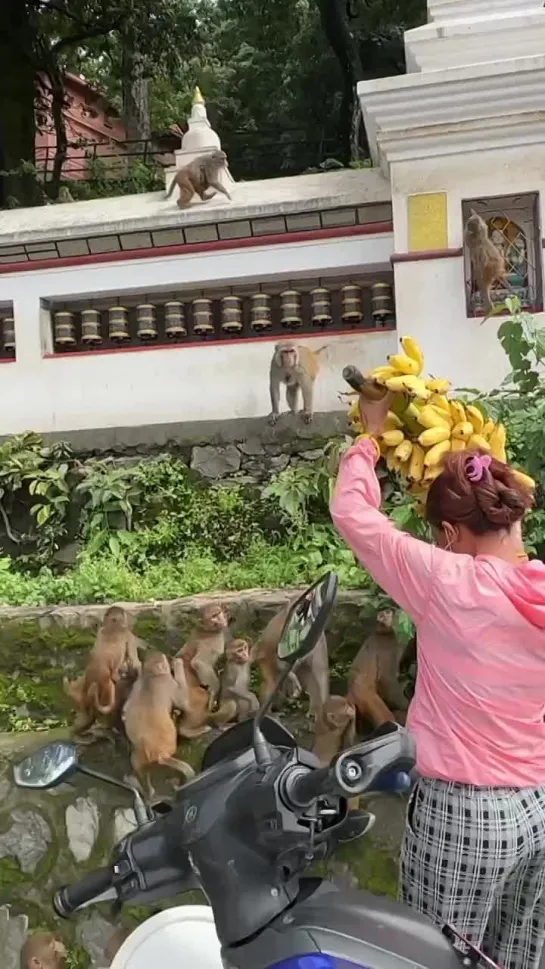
424	424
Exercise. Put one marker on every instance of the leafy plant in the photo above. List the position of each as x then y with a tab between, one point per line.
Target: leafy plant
111	496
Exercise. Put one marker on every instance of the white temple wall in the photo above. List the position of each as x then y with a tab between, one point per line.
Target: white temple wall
180	383
430	293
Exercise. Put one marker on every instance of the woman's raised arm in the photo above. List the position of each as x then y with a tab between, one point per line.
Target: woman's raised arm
403	566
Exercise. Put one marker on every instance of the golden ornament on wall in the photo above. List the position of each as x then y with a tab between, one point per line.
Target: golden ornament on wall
260	312
382	302
90	327
175	327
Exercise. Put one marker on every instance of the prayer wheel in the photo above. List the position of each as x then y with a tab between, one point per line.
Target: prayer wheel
351	305
146	327
291	313
203	319
175	327
382	302
232	319
118	323
90	327
8	334
65	331
320	306
260	312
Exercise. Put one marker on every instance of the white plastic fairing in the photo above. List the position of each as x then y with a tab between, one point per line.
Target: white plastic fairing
181	936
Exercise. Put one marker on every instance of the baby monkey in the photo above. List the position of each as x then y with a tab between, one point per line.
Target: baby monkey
335	729
43	950
199	177
235	680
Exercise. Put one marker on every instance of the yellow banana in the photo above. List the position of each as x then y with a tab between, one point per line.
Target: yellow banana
396	384
432	473
393	438
354	411
457	445
438	385
431	417
441	402
412	349
524	479
392	422
403	451
462	431
487	429
434	435
381	374
457	411
478	441
475	416
404	364
391	460
497	443
416	466
436	454
416	387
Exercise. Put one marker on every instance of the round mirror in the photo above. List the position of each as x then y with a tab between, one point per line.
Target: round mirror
47	766
306	619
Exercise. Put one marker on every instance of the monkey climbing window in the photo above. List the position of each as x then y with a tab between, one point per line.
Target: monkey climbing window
514	227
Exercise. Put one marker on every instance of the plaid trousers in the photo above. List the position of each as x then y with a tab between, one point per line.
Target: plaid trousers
475	857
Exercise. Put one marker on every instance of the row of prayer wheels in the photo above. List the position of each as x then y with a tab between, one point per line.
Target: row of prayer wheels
232	315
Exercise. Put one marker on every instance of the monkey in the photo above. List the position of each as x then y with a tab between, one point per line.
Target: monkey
116	940
311	672
235	679
297	367
101	690
198	177
195	718
487	260
149	726
373	683
43	950
205	646
335	729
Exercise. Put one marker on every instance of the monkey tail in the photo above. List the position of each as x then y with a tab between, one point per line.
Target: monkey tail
102	696
73	689
225	713
171	187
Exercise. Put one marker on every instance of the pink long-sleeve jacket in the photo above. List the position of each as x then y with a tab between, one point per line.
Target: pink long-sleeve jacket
478	711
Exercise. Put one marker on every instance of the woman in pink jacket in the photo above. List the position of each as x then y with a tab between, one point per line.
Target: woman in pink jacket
474	847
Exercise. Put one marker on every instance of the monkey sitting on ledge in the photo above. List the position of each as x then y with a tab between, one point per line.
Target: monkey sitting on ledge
198	178
297	367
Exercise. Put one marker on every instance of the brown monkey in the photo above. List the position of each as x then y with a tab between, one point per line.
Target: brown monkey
335	728
198	177
205	646
148	720
196	718
487	260
297	367
235	679
43	950
374	687
116	940
113	656
311	673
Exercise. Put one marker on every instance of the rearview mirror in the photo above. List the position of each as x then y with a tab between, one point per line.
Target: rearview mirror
47	767
307	619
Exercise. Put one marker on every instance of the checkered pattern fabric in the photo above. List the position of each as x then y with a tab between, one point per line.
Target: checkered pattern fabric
475	857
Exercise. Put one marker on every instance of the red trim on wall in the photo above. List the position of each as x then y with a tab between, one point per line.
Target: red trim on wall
70	354
8	360
285	238
426	255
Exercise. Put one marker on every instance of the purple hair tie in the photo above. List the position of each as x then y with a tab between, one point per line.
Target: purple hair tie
476	467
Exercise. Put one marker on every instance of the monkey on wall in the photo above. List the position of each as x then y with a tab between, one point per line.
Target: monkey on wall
235	679
43	950
335	729
297	367
374	686
112	667
206	646
148	720
311	672
197	178
487	260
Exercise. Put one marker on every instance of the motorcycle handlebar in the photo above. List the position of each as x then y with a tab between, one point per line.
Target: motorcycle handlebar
69	899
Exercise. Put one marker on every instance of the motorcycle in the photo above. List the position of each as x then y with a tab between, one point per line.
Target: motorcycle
246	831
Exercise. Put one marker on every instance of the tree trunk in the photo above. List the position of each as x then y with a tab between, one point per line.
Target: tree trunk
17	99
333	15
135	100
58	105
